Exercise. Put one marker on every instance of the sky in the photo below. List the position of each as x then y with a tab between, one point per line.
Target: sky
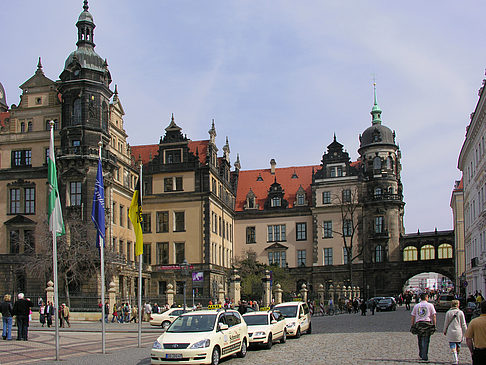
279	78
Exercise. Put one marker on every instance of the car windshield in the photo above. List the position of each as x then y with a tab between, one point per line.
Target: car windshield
256	319
385	301
288	310
193	323
446	297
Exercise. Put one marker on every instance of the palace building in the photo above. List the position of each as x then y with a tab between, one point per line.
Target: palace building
337	222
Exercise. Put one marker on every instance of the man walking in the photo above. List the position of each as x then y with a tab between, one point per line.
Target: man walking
423	323
476	337
21	309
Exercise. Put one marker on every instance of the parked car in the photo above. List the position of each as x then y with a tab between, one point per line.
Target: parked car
264	328
444	302
297	317
166	318
386	304
201	337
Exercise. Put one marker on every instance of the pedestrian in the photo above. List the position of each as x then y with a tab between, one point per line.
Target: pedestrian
455	329
372	306
21	309
49	313
7	316
65	314
60	316
423	324
476	337
408	300
42	314
362	306
114	314
134	314
107	311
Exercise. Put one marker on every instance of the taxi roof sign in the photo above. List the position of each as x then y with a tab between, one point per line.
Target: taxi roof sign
214	306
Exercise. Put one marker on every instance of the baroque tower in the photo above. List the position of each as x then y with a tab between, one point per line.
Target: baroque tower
84	88
381	195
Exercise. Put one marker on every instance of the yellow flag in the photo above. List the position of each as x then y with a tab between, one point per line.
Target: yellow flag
135	214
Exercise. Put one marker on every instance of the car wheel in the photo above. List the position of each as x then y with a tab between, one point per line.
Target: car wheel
165	324
297	334
284	337
243	349
215	356
269	344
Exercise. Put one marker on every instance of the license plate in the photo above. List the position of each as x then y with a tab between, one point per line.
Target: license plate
173	356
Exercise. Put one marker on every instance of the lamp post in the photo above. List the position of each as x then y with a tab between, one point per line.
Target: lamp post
185	272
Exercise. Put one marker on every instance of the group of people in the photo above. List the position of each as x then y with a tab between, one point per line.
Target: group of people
423	324
122	313
20	309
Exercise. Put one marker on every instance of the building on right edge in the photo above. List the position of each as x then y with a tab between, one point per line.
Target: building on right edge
472	165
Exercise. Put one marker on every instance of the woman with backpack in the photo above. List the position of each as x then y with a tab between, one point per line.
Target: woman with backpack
455	329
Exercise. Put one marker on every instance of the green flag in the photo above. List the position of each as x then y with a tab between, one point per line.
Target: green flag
56	223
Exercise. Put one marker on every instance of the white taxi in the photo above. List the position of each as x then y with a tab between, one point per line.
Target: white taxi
265	328
297	317
166	318
202	337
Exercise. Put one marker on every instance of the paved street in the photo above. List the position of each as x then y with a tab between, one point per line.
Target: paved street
343	339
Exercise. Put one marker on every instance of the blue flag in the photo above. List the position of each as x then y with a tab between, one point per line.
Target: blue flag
98	212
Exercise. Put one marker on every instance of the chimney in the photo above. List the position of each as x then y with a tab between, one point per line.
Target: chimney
272	166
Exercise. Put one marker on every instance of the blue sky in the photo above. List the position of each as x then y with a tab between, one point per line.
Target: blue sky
279	77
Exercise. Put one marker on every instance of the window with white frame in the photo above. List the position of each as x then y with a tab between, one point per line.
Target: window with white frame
276	233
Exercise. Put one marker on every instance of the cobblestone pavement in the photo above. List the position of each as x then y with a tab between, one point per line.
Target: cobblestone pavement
343	339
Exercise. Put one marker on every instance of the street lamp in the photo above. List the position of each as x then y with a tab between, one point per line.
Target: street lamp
185	273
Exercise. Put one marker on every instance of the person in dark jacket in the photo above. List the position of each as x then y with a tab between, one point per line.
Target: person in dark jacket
7	316
21	309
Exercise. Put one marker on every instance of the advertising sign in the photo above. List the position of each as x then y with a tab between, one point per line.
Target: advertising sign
197	276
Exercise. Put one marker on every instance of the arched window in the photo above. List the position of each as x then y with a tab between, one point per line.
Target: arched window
389	163
379	253
377	163
104	116
22	127
410	253
378	191
29	127
427	252
77	111
445	251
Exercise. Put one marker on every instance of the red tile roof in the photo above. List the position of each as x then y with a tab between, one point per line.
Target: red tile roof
144	152
151	150
248	179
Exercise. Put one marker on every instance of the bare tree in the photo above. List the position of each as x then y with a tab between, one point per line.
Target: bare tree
351	220
77	255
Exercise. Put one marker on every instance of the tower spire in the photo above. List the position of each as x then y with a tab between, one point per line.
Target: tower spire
85	5
375	111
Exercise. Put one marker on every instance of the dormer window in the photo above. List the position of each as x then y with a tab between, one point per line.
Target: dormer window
250	200
300	199
276	201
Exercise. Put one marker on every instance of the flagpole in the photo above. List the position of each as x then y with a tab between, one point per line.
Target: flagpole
140	262
102	263
54	266
56	291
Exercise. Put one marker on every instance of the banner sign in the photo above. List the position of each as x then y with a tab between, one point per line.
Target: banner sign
172	267
198	276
